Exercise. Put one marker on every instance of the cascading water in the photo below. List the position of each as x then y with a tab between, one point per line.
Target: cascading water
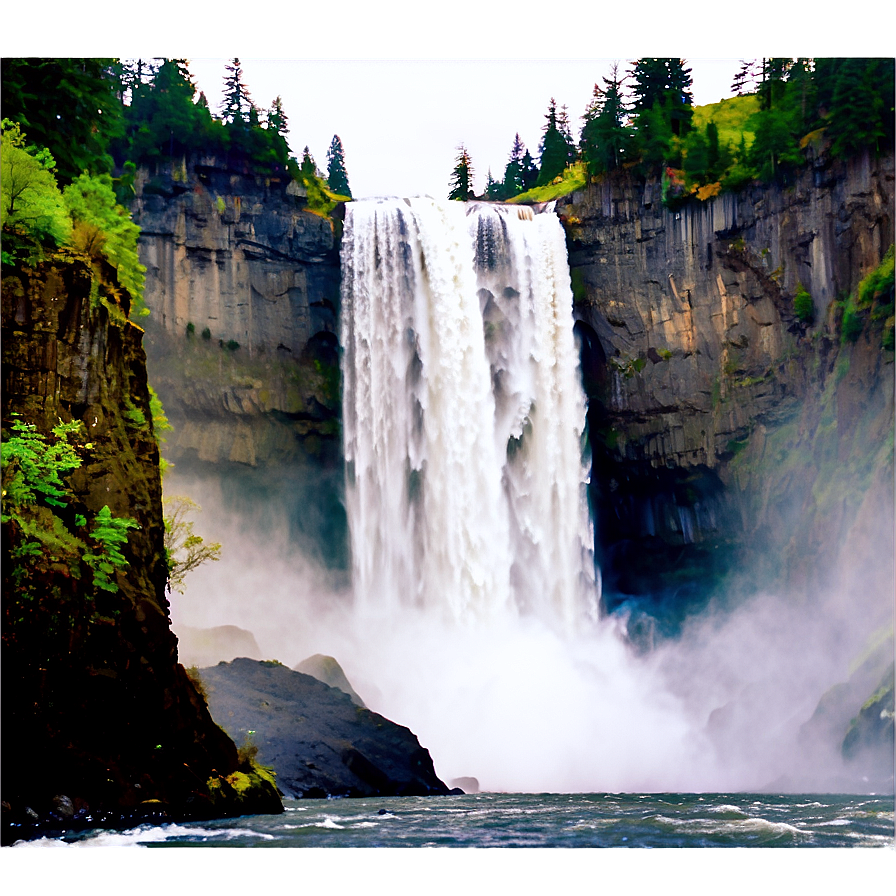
463	413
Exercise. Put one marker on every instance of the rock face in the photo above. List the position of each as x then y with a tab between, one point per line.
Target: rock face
328	670
243	285
725	428
318	741
92	689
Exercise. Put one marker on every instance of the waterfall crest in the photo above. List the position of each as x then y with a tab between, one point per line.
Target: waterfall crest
463	413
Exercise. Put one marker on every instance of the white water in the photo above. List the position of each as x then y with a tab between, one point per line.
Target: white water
463	415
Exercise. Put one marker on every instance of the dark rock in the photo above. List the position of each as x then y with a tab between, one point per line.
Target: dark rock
315	738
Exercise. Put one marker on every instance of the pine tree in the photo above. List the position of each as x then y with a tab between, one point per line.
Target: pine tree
494	189
666	83
530	171
745	79
337	177
462	177
513	171
276	119
605	139
772	85
237	103
308	166
554	148
861	106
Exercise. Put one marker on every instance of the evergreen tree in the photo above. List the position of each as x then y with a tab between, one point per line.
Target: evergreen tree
605	139
69	106
554	149
664	83
861	110
308	167
276	118
513	172
337	177
772	85
462	177
746	77
565	131
529	171
494	190
237	103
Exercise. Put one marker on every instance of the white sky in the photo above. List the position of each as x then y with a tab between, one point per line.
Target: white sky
401	121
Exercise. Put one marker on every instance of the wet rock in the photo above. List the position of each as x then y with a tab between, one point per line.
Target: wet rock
317	740
327	670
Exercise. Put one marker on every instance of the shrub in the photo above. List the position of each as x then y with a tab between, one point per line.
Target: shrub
206	334
803	306
191	330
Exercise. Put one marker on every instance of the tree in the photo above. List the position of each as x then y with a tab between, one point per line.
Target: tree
337	177
772	85
512	185
462	177
104	229
30	201
554	148
494	189
746	77
276	118
184	550
308	167
860	109
69	106
237	103
529	171
665	83
605	139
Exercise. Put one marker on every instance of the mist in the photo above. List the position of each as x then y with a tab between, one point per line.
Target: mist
526	707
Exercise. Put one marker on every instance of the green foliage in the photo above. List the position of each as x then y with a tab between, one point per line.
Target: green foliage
573	178
35	500
33	468
110	534
337	177
606	141
852	325
237	104
878	285
554	148
104	229
68	105
803	306
206	334
462	177
184	550
191	329
861	105
32	207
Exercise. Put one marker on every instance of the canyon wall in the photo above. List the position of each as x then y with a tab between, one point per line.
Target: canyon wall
243	285
728	429
108	728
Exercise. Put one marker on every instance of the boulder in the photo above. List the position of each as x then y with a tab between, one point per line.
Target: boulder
317	740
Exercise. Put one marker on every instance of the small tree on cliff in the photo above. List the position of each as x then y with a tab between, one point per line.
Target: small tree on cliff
605	138
236	103
462	177
184	550
554	148
337	177
276	118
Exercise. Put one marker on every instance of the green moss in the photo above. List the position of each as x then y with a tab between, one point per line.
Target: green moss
573	178
577	281
803	306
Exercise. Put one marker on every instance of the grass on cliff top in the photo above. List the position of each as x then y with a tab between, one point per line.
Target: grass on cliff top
574	178
732	117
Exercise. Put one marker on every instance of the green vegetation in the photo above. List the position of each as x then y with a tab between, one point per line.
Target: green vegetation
462	176
44	534
803	306
337	177
184	550
873	300
573	178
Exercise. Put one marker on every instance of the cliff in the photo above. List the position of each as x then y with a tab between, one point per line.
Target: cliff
733	427
243	284
104	727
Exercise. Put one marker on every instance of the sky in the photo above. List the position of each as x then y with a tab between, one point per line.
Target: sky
401	121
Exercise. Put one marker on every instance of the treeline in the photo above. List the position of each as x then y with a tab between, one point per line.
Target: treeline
644	120
76	130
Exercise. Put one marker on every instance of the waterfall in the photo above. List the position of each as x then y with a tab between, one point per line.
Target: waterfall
463	414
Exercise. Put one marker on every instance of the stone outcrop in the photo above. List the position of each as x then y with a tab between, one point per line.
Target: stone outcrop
317	739
102	725
243	286
727	429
